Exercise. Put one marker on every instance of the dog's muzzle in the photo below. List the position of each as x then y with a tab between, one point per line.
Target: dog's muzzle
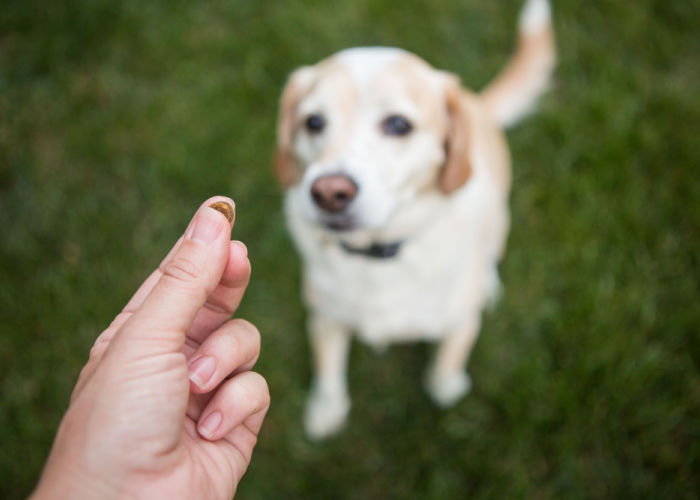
333	194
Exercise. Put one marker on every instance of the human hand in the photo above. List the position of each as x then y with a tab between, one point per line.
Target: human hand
166	406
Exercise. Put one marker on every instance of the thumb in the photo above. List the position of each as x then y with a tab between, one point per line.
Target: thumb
191	274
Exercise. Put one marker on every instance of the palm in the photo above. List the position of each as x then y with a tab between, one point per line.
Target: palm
198	468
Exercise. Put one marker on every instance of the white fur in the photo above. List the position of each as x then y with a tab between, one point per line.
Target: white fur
364	68
535	16
440	275
446	270
514	93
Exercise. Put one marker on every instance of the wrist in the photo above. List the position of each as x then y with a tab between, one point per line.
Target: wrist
67	486
67	482
71	474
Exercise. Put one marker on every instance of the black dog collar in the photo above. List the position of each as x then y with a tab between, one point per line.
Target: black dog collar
375	250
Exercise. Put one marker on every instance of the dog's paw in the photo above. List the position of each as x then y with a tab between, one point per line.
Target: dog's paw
447	388
325	414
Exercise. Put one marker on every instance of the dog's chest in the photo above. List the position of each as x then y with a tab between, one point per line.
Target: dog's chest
435	281
417	294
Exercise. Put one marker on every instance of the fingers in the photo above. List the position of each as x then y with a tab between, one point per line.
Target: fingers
220	305
225	299
232	348
242	400
225	407
163	314
234	281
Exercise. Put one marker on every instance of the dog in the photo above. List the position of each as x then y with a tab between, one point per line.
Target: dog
397	181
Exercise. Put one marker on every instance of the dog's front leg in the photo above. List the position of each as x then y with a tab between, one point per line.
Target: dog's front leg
328	403
447	379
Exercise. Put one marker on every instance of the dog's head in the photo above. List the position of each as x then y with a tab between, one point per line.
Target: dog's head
365	132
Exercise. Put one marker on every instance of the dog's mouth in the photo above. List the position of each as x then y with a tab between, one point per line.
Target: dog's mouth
338	223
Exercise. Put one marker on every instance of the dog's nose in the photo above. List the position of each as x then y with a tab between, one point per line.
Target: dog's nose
333	193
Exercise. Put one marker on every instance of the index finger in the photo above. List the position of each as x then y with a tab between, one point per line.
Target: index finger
142	292
226	298
187	280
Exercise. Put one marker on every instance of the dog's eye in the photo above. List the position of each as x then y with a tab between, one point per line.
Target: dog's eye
396	125
315	123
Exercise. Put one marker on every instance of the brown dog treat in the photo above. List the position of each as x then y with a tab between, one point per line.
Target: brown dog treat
224	208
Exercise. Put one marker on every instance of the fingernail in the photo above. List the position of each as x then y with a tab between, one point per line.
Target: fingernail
208	427
206	227
225	208
201	370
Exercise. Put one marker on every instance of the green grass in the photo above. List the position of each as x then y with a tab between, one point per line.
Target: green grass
118	118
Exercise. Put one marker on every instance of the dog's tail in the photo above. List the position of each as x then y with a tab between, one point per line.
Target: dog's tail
513	93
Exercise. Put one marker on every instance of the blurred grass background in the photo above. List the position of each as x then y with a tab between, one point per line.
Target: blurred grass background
118	118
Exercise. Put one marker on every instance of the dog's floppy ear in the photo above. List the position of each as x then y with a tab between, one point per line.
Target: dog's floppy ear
457	169
286	169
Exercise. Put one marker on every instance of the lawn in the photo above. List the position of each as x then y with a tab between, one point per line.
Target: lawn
118	118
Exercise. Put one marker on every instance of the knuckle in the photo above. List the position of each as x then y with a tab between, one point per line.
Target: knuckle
233	342
247	330
181	269
245	339
97	349
258	391
264	386
118	320
219	307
